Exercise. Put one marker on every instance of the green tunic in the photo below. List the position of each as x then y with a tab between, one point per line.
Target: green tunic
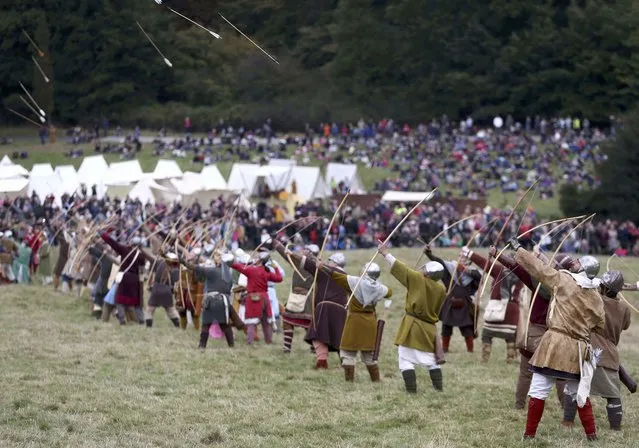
21	264
424	298
360	329
44	269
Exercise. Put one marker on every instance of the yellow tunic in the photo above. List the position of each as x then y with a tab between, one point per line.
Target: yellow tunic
574	312
424	298
360	329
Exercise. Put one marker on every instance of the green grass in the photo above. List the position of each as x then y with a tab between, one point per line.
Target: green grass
71	381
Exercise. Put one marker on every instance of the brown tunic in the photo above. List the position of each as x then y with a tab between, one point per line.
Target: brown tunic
329	311
617	320
574	313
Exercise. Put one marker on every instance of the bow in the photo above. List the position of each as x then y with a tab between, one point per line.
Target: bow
532	301
433	239
319	256
483	288
388	238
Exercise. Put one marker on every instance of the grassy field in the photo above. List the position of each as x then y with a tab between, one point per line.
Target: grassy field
71	381
27	140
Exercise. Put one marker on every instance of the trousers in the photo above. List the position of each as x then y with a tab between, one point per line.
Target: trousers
349	357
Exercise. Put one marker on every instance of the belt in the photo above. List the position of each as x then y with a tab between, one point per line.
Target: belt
419	318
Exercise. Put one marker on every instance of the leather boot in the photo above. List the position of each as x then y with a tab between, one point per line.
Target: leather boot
535	412
570	410
470	344
349	373
511	353
149	323
204	338
183	322
485	351
410	381
445	343
373	371
176	322
437	379
615	413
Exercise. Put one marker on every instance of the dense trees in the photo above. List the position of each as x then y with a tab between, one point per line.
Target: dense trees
340	59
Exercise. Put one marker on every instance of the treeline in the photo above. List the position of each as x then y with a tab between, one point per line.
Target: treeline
339	59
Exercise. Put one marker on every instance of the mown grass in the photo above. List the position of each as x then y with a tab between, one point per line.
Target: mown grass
71	381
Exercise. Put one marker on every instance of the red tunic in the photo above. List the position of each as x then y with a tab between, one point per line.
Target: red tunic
129	291
257	286
34	242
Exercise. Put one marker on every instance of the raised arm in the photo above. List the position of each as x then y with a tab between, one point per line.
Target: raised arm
484	264
342	280
509	263
274	276
242	268
544	273
117	247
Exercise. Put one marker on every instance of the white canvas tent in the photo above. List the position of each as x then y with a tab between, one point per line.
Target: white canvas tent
124	173
12	172
147	191
309	183
46	185
166	169
68	178
93	171
14	187
282	162
246	177
194	186
347	173
41	170
211	178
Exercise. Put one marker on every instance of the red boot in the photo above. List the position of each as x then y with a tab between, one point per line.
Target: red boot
588	420
470	344
445	343
535	411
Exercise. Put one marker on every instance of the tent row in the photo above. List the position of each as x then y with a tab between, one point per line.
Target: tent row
168	182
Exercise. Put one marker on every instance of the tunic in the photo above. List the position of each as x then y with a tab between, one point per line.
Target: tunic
299	285
574	313
272	294
539	311
164	278
458	308
329	311
617	320
215	307
505	287
101	287
21	264
45	259
63	255
257	302
129	291
424	299
360	329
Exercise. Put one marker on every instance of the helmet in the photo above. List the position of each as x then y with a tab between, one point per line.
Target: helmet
589	265
171	256
564	261
373	270
338	258
208	249
613	280
136	241
313	248
433	270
